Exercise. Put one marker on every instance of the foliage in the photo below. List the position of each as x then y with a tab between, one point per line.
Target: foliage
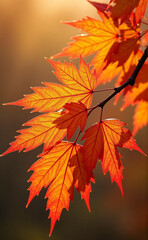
115	40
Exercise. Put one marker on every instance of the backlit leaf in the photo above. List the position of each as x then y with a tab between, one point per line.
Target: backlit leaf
102	140
59	170
42	130
79	87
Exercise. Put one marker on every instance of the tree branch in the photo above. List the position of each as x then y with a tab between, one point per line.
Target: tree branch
130	81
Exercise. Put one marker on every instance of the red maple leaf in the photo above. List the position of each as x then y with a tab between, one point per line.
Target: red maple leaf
102	140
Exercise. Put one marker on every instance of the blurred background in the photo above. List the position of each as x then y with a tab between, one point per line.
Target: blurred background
29	31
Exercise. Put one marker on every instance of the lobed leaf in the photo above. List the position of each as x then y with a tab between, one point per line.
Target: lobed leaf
101	36
79	87
60	170
42	130
102	140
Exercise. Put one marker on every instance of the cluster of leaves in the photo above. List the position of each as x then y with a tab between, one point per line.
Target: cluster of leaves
63	165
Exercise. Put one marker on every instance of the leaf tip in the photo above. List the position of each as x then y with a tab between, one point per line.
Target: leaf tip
120	187
52	227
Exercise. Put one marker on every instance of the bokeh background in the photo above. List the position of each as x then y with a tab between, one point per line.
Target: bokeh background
29	31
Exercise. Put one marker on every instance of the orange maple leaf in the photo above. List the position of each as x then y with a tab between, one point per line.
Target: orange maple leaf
50	128
112	42
101	36
124	58
79	87
60	170
42	130
102	140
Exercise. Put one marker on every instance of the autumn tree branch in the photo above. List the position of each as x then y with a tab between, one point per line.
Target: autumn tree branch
130	81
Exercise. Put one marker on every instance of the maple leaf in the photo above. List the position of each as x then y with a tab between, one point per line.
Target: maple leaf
101	36
42	130
79	87
123	54
77	115
60	170
102	140
50	128
112	42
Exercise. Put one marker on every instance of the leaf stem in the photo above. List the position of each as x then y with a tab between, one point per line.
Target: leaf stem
144	22
91	109
74	143
101	114
143	33
103	90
